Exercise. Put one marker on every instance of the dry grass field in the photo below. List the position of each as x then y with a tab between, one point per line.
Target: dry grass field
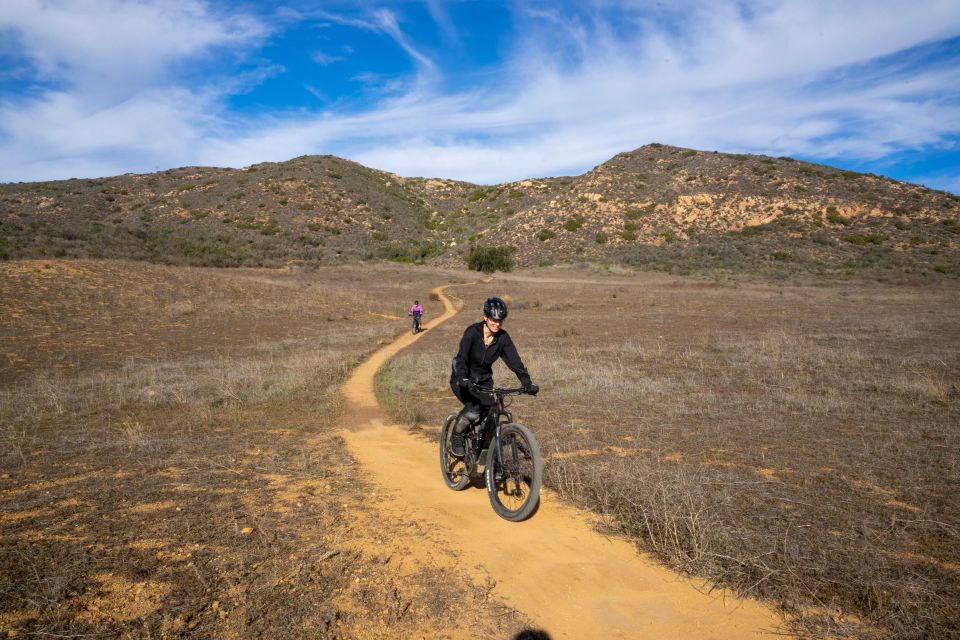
170	464
796	442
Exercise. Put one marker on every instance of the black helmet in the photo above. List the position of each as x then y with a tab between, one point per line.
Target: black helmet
495	308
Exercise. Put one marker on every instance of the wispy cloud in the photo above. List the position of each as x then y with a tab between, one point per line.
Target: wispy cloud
722	81
387	21
325	59
441	17
828	80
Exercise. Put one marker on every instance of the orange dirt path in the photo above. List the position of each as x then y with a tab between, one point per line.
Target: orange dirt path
554	567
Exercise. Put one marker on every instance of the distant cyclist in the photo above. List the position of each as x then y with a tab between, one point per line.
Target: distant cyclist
417	312
481	345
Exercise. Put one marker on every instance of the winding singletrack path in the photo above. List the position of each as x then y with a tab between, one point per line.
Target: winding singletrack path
572	581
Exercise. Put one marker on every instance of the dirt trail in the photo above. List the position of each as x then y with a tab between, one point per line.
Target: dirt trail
554	567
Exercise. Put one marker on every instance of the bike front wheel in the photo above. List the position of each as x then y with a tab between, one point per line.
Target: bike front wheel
454	470
513	479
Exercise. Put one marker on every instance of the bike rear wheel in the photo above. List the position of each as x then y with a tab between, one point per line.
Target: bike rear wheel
454	470
513	482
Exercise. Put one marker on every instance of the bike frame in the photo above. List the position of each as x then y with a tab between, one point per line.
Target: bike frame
491	421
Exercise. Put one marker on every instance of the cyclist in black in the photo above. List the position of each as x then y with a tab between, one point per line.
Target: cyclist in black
481	345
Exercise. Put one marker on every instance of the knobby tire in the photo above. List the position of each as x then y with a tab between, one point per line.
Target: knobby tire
514	485
454	471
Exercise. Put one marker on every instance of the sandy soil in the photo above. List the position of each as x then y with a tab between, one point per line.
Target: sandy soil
555	568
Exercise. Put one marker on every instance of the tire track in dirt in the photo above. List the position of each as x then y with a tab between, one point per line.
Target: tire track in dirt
574	582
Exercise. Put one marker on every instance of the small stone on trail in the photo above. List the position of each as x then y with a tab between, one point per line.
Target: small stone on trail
246	530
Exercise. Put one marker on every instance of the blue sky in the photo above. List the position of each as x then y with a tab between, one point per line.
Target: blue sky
483	91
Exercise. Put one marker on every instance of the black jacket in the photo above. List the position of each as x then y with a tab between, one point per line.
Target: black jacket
475	360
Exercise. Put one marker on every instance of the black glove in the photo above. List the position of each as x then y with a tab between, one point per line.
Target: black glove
464	383
533	389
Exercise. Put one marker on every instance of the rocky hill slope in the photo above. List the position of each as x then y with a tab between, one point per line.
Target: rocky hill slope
658	207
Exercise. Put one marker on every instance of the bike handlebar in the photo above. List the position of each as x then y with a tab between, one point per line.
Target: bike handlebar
500	391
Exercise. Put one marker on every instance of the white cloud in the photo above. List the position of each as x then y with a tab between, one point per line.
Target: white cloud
325	59
115	105
117	44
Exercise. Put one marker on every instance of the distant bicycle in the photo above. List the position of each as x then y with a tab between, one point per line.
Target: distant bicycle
415	325
509	453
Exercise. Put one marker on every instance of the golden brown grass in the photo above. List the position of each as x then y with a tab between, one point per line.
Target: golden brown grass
192	483
796	442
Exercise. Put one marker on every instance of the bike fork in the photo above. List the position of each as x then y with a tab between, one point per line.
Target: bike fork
507	474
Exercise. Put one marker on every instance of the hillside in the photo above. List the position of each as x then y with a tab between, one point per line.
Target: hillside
657	207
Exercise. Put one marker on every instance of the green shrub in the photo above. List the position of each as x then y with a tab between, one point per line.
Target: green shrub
634	214
490	259
834	217
573	223
477	195
753	230
602	237
516	193
545	234
627	234
864	239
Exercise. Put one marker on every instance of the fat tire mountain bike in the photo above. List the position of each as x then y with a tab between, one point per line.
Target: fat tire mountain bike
508	452
415	326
